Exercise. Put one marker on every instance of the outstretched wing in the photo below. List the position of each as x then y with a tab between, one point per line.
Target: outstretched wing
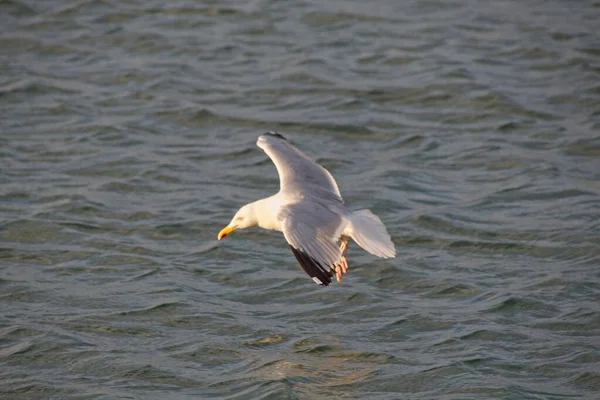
297	172
312	231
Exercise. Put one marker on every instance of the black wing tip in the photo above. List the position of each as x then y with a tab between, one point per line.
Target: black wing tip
276	134
319	274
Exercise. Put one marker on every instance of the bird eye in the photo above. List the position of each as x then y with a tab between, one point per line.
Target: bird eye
239	218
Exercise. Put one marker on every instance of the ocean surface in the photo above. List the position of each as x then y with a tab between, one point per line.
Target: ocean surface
127	141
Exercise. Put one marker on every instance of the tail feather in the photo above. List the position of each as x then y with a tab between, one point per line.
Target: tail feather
368	232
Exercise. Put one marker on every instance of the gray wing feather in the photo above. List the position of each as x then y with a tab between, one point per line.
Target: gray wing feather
313	229
297	172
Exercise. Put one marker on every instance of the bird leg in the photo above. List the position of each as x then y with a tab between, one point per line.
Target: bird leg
341	267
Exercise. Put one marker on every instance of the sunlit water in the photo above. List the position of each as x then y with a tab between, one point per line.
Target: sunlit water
128	131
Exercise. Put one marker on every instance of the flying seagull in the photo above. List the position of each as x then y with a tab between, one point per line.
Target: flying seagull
311	213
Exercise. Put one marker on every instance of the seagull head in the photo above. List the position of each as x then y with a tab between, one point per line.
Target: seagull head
244	218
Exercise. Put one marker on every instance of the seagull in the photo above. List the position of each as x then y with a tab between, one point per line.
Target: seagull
311	213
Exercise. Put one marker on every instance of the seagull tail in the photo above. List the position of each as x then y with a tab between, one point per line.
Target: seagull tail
368	232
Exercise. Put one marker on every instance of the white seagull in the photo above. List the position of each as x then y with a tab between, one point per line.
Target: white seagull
311	213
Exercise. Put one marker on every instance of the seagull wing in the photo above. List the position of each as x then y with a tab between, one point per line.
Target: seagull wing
298	174
312	231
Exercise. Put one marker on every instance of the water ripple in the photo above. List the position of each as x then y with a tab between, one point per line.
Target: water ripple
128	141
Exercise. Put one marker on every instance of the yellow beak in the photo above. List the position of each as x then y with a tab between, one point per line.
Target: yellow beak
226	231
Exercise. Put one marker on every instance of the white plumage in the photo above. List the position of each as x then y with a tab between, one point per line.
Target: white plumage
311	213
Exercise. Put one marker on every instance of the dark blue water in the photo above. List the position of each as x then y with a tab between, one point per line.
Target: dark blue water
128	131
